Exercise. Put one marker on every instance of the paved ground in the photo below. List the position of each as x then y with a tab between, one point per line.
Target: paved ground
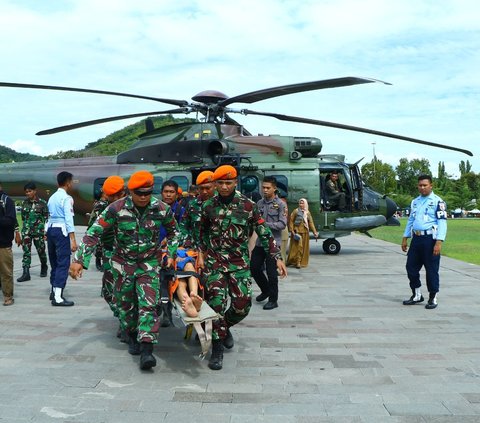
340	348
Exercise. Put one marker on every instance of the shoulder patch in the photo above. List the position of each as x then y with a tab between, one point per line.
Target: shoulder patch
441	210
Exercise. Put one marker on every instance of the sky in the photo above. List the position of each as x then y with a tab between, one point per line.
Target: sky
429	50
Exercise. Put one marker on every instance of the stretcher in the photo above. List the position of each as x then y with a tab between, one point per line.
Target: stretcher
203	323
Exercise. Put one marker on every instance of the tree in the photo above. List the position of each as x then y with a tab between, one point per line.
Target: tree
464	167
380	176
408	173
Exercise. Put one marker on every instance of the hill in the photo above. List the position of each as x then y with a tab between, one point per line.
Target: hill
7	155
117	141
114	143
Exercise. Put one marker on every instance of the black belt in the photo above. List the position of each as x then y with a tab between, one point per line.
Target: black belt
422	233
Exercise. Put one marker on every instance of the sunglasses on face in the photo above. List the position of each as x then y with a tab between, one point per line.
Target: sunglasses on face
142	193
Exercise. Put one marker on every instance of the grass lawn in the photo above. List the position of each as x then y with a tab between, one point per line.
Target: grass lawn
462	243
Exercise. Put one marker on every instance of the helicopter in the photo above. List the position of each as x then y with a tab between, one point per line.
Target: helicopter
181	151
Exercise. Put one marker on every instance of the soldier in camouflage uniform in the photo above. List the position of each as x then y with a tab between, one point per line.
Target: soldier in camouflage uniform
98	207
34	217
227	222
113	190
190	223
135	221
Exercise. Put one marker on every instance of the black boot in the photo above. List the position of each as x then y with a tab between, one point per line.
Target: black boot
43	270
133	344
62	302
98	264
147	360
216	359
25	276
229	342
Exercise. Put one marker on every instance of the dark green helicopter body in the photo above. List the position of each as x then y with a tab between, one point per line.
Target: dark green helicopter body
181	151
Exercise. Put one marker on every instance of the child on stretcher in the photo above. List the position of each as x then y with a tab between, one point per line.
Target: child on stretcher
186	288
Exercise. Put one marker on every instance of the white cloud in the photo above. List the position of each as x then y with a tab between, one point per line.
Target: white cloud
430	51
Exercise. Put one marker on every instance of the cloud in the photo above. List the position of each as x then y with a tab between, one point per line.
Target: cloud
430	51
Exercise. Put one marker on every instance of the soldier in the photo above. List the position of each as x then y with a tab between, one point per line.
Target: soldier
190	223
34	217
61	240
336	196
98	207
427	226
135	221
113	190
227	221
274	213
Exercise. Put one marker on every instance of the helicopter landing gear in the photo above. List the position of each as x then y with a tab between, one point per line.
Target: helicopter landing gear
331	246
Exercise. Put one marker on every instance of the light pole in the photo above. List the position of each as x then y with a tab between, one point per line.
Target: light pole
374	157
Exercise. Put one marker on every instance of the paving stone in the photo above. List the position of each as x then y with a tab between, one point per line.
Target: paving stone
347	353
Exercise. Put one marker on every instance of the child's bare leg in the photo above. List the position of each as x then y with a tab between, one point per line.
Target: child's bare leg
187	304
193	288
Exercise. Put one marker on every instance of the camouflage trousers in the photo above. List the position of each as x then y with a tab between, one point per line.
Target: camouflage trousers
220	286
137	292
39	242
108	282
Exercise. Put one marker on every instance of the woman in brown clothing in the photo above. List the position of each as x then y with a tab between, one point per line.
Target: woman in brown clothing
300	224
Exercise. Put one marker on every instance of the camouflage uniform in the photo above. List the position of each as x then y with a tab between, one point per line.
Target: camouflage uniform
135	260
34	217
108	283
224	233
98	207
190	223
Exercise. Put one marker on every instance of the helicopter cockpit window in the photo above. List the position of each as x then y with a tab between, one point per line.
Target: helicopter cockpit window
182	182
157	185
97	188
330	197
282	185
249	187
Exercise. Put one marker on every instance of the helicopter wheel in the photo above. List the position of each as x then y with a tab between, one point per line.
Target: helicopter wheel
331	246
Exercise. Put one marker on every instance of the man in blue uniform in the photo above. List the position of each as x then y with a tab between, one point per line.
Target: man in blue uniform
427	226
273	211
60	237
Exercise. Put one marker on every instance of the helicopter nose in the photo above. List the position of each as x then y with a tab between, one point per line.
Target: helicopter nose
391	207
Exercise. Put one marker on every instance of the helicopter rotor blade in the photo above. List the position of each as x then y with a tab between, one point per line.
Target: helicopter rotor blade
109	119
179	103
353	128
267	93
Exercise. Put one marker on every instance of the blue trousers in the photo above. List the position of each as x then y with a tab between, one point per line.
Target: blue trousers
421	254
59	255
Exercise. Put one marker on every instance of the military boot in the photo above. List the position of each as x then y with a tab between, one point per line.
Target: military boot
43	270
216	359
147	360
58	300
133	344
25	276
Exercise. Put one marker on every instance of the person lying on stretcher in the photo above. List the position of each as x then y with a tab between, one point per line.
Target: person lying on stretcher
187	287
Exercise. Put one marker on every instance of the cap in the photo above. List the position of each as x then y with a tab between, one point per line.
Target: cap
140	179
204	177
225	172
113	184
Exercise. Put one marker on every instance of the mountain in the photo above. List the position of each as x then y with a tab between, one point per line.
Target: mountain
117	141
7	155
112	144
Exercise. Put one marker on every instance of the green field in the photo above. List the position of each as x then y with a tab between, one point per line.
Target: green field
462	243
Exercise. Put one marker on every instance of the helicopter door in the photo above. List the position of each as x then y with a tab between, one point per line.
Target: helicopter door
357	187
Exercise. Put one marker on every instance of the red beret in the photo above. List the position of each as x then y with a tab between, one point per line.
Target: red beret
113	184
204	177
225	172
140	179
